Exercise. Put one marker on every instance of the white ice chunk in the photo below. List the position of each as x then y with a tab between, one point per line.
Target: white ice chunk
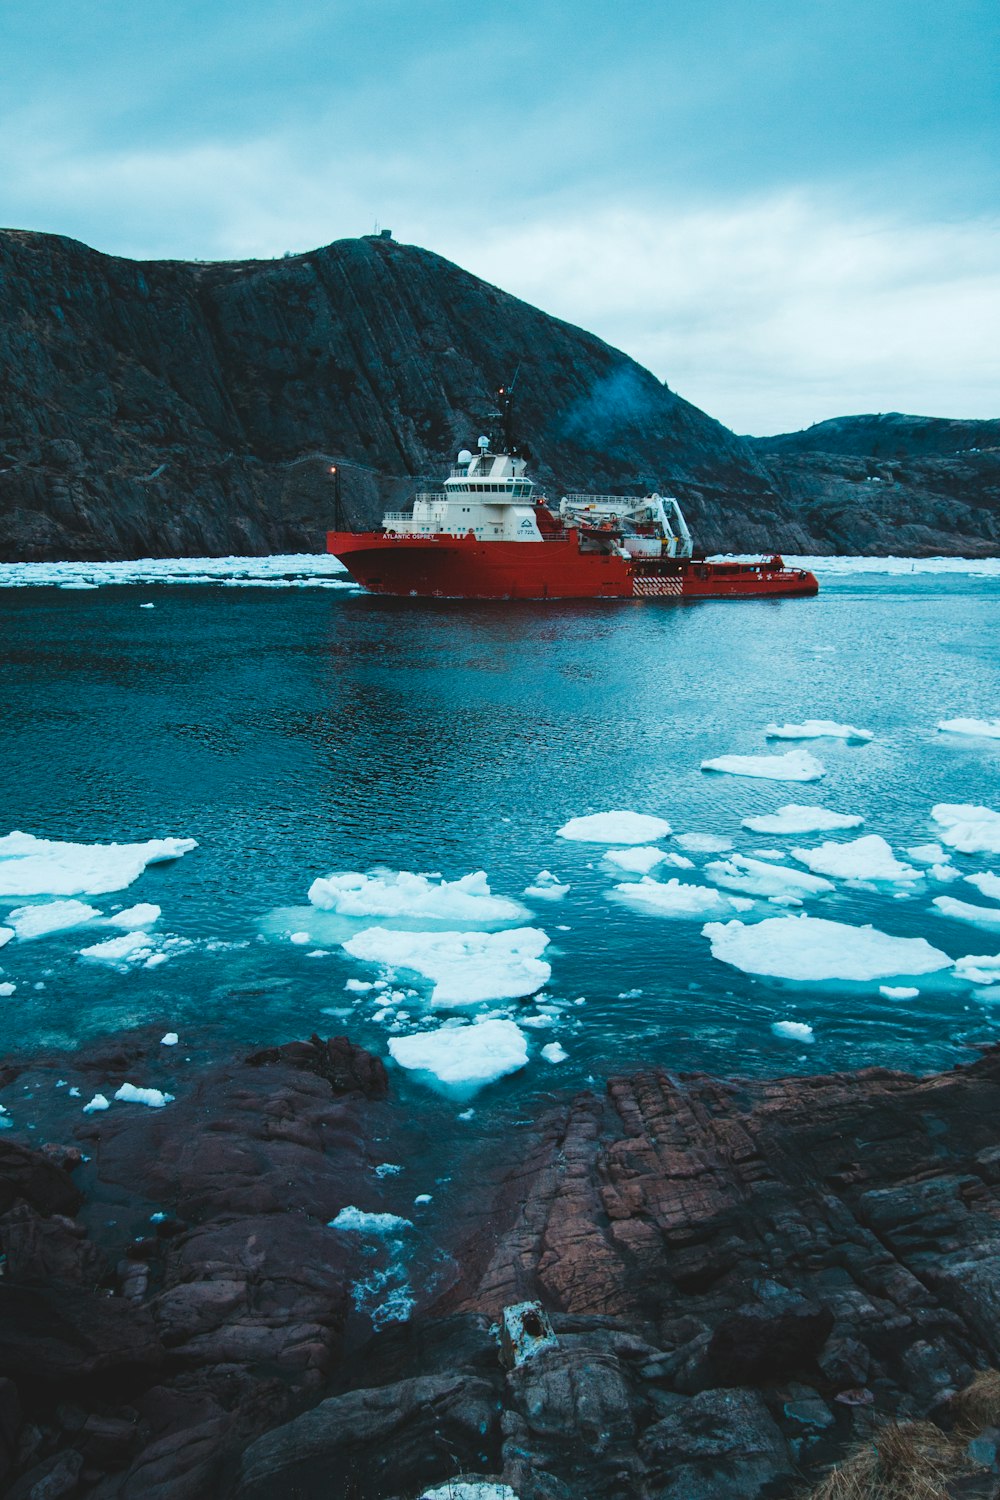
965	911
640	859
927	854
968	828
674	898
169	1039
818	729
945	873
401	894
51	867
704	843
96	1104
464	1057
796	818
469	1489
134	948
553	1053
466	967
978	968
795	1031
7	988
898	991
154	1098
984	728
359	986
362	1222
50	916
988	884
794	765
756	877
617	827
866	858
546	887
6	933
812	948
142	915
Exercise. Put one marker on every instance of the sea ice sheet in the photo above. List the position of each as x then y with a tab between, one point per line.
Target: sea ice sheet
756	877
794	765
988	884
31	866
638	860
704	843
616	827
795	818
675	898
402	894
868	858
467	968
967	827
50	916
464	1057
818	729
814	949
966	911
981	728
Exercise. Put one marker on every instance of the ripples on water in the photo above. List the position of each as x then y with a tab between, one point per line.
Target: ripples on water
294	733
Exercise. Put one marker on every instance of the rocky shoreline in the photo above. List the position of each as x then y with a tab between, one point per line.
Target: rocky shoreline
735	1280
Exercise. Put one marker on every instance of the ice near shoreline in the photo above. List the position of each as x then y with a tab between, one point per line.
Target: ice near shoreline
465	1058
467	968
31	866
38	921
794	765
814	949
402	894
291	570
617	827
818	729
795	818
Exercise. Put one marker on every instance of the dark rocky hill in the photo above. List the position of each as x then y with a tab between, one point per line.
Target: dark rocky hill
887	435
172	408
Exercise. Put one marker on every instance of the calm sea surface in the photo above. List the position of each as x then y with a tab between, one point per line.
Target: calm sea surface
297	732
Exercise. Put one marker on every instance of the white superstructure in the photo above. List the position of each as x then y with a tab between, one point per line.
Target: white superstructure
488	496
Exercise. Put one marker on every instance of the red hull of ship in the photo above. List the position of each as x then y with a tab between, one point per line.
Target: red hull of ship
447	567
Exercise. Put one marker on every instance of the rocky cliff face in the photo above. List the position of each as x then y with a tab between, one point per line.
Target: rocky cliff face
734	1281
167	408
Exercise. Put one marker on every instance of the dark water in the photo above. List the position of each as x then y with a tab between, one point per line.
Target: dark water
294	733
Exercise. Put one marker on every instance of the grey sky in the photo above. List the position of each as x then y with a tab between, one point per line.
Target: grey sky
787	210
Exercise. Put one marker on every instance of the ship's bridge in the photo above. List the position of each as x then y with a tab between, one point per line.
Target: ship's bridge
488	496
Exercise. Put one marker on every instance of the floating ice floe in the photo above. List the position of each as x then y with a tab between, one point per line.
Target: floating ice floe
142	915
640	859
898	991
978	968
359	1221
133	949
812	948
795	1031
7	988
869	858
704	843
982	728
98	1103
546	887
50	916
465	1058
968	828
169	1039
755	877
987	884
294	570
51	867
794	818
675	898
617	827
818	729
6	933
466	967
469	1489
965	911
152	1098
794	765
927	854
402	894
553	1053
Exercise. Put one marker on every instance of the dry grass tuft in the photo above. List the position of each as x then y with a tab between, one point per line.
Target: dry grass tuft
901	1461
978	1405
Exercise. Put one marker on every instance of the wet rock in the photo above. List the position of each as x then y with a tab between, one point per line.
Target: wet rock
347	1069
56	1478
766	1343
722	1445
43	1184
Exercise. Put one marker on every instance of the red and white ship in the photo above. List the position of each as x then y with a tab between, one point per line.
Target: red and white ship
489	534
